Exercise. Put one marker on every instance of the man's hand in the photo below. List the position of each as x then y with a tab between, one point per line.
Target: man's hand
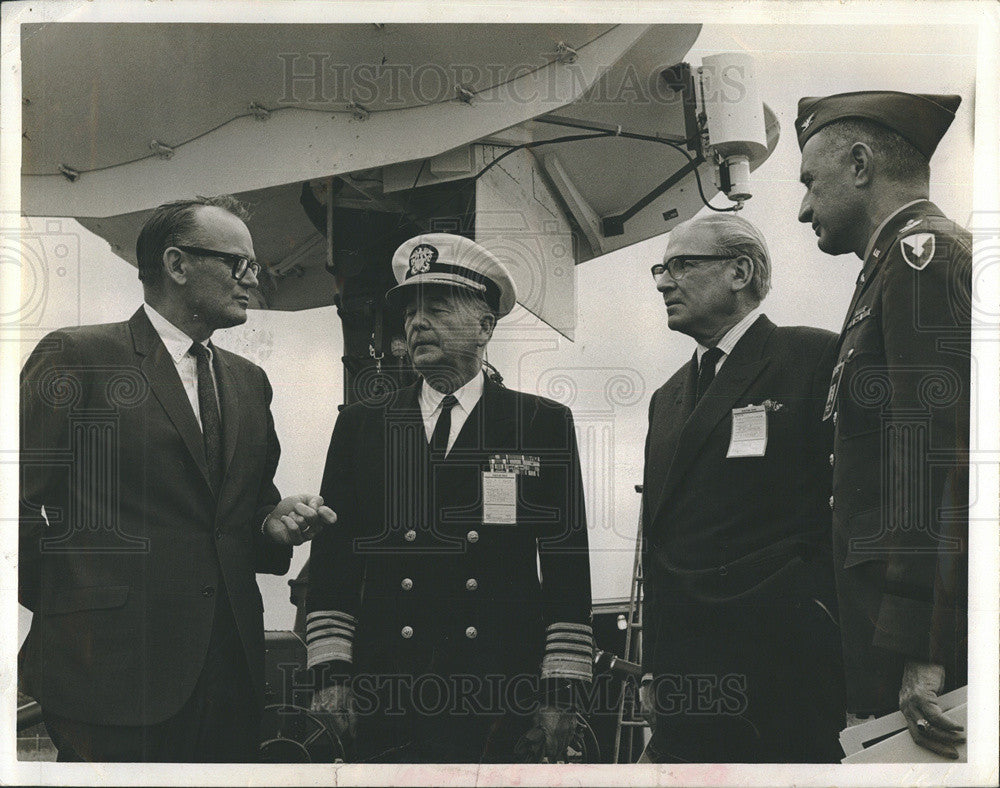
549	737
928	726
647	701
297	519
337	700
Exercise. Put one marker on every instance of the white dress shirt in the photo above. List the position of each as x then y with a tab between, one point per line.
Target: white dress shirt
178	345
430	406
732	336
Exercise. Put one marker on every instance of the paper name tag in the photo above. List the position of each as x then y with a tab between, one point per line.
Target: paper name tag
749	438
499	497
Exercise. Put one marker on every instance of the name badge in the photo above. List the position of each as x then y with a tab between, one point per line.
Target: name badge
499	497
831	397
749	438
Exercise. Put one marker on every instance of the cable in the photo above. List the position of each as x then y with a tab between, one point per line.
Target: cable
597	135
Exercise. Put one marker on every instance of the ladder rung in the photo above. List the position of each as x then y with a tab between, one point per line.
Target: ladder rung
635	723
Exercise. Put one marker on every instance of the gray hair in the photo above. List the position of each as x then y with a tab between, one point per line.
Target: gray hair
897	159
736	236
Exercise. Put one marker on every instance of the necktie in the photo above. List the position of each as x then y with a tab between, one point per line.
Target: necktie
439	440
706	370
211	419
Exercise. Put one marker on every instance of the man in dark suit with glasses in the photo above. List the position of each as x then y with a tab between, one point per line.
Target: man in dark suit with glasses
740	645
147	505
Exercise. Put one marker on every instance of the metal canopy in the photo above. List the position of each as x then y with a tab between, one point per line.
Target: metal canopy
119	118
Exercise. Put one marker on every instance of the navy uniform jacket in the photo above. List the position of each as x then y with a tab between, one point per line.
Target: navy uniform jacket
737	575
900	402
122	571
412	582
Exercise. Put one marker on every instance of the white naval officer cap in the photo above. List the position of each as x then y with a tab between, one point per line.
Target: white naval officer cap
446	259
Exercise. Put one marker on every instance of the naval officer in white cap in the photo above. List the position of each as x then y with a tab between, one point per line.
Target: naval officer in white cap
449	612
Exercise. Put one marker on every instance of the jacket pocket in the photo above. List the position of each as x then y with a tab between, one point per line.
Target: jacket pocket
72	600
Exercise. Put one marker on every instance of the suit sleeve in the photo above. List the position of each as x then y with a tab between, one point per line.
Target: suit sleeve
48	391
269	557
335	570
565	567
926	332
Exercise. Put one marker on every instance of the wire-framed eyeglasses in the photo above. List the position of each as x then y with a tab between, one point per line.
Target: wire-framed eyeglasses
679	265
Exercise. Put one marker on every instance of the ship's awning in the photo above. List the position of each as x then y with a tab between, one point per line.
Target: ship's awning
119	118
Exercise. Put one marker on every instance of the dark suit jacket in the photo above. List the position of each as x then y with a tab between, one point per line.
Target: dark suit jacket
381	487
122	577
901	475
739	539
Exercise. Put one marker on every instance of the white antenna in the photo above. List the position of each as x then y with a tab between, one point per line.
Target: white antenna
733	116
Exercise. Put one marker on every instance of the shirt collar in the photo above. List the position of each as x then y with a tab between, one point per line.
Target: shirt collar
174	340
467	396
733	335
885	221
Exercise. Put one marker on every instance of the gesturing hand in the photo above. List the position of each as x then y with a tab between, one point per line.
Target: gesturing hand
298	518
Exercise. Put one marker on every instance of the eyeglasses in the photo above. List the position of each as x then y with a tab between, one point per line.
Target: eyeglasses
239	265
678	266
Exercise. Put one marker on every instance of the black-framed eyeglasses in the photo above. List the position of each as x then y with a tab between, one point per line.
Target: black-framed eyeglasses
239	265
678	266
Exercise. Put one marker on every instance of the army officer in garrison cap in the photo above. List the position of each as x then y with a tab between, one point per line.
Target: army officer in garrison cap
899	400
449	611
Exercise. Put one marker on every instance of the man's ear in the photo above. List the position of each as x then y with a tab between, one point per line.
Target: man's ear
486	325
174	265
862	164
743	268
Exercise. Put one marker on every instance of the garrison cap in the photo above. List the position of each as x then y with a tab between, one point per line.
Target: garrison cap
446	259
920	119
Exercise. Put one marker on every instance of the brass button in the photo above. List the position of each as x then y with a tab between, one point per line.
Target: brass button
861	279
208	591
471	633
831	460
406	632
850	352
831	501
472	536
407	584
471	584
410	535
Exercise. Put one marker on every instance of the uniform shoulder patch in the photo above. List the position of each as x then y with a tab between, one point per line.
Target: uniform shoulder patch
917	249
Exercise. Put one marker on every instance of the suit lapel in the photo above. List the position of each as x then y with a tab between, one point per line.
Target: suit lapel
492	423
741	368
230	396
164	382
673	408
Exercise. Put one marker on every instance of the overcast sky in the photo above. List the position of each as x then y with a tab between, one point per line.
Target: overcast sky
622	332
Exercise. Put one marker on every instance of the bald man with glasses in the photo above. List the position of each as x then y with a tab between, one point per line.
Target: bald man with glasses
147	506
740	643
